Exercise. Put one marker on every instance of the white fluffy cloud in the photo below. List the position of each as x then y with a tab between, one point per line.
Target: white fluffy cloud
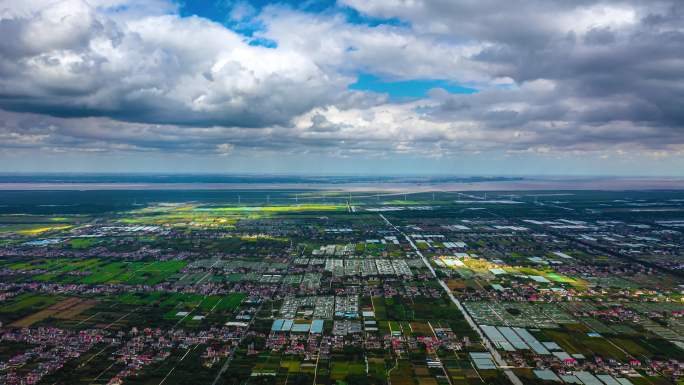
393	51
71	58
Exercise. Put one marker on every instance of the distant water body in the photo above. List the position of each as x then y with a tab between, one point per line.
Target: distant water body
89	182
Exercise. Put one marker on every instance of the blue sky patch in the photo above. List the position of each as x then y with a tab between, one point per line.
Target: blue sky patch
219	11
263	42
407	89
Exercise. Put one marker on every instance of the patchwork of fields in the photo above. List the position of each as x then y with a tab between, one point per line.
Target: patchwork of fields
337	288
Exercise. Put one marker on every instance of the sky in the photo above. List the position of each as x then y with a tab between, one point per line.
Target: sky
465	87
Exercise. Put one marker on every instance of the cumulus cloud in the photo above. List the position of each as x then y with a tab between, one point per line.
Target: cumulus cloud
629	52
396	52
553	75
69	58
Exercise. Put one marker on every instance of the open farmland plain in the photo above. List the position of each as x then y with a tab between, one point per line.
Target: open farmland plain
336	287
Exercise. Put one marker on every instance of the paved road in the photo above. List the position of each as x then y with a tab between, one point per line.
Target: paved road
495	353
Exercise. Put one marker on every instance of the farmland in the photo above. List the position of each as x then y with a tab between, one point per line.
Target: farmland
243	287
